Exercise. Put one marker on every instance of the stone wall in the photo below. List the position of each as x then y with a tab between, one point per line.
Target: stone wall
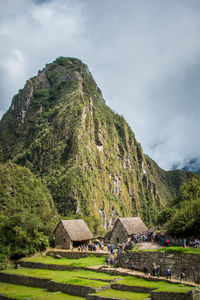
24	280
168	296
156	295
77	290
118	234
131	288
192	295
62	238
6	298
188	263
95	297
35	265
83	291
73	255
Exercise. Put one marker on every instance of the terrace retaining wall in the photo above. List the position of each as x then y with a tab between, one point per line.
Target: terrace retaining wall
131	288
24	280
36	265
189	263
77	290
116	272
156	295
191	295
95	297
73	255
2	297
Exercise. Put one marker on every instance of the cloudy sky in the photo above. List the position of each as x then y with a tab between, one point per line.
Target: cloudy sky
143	54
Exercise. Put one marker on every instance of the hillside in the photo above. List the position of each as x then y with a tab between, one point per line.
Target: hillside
27	212
61	129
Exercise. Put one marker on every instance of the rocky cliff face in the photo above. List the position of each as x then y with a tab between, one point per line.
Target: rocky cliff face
60	127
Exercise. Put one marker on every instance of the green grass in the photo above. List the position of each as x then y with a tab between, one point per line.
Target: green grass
25	292
123	294
179	250
158	285
76	277
89	261
170	250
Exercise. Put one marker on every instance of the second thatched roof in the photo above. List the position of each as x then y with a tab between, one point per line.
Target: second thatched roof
77	230
133	225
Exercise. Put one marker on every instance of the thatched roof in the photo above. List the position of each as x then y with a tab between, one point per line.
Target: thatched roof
77	230
133	225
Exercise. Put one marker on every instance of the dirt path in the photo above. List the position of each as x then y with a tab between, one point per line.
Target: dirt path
148	246
140	274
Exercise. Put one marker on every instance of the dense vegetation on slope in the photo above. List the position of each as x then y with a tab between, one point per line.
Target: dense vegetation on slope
181	217
60	127
169	182
27	213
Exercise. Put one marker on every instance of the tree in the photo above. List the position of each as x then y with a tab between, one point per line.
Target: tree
181	217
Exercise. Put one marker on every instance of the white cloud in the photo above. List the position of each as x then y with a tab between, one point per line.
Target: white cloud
143	54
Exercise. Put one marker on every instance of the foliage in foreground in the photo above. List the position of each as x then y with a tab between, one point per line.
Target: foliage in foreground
27	213
181	218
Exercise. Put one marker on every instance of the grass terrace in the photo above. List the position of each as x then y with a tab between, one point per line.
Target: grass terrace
76	277
170	250
90	278
179	250
89	261
158	285
123	294
24	292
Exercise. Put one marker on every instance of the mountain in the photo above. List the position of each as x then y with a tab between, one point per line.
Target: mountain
192	165
59	127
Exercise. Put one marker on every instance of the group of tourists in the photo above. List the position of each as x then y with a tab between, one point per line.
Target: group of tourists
82	248
92	247
97	245
110	260
160	238
141	237
195	243
155	271
110	248
150	237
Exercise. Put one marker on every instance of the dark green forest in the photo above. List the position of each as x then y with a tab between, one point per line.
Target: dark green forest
181	217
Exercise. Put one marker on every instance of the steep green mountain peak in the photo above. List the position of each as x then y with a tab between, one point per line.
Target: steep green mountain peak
42	92
60	127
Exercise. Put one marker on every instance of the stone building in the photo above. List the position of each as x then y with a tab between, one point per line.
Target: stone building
124	228
70	233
